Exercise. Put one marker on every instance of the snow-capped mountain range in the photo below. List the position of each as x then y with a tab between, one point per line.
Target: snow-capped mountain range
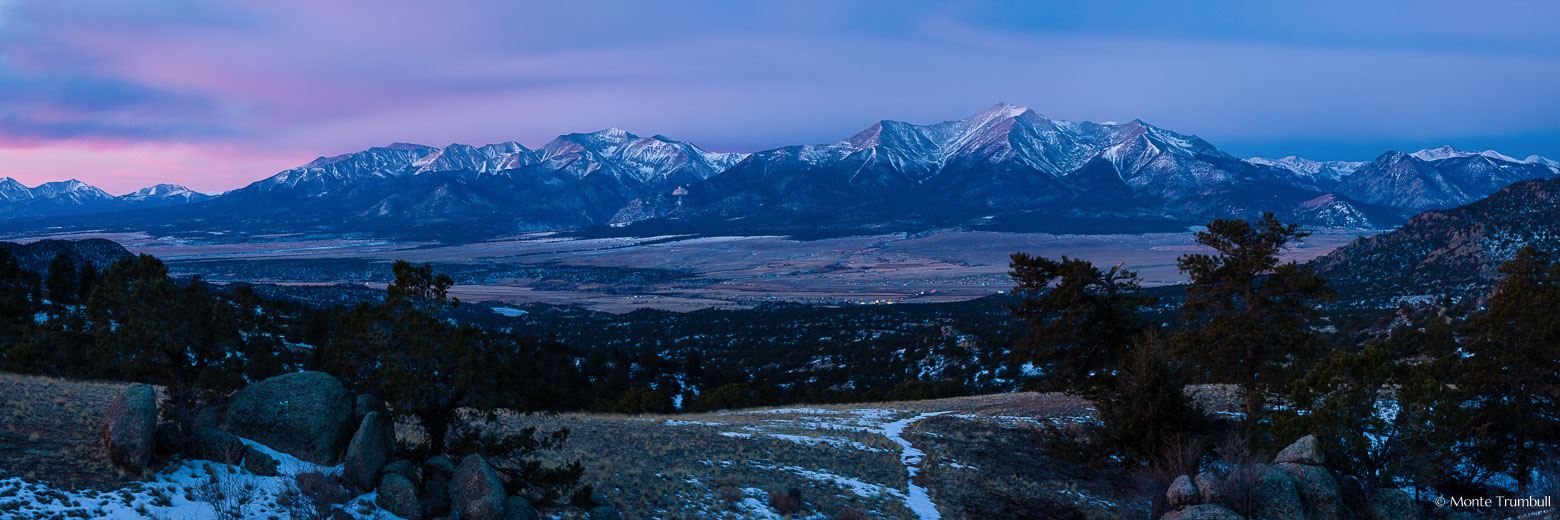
74	197
1007	167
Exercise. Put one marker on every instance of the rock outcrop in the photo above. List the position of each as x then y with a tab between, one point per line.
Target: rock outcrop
368	452
1203	512
1296	486
130	430
605	513
1182	493
398	496
476	491
1303	451
304	414
518	508
404	468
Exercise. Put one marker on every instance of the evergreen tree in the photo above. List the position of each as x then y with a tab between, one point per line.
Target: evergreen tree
728	396
86	281
1247	310
643	399
155	330
422	365
1343	400
1148	407
1508	372
63	282
1080	318
19	291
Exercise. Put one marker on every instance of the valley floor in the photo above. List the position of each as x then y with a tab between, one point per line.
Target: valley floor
682	272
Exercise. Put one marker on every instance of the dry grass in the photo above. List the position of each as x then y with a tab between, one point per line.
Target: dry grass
50	428
708	465
982	459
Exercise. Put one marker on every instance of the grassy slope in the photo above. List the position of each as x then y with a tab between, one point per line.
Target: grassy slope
982	458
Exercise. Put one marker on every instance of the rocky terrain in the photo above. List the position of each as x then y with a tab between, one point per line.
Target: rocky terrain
971	457
1454	251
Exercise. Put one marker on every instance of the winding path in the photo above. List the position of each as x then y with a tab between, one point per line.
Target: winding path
918	501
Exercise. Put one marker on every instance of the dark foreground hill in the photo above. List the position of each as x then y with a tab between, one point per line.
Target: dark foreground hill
35	256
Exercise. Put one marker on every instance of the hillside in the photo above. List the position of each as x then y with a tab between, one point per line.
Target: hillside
1454	251
899	460
35	256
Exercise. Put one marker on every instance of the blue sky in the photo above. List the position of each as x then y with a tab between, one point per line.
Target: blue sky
216	94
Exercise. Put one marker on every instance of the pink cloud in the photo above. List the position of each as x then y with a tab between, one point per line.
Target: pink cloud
120	169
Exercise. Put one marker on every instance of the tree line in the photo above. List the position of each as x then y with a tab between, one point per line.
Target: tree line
1451	403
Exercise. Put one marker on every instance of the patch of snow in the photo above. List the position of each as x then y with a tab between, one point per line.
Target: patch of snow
172	493
509	311
919	501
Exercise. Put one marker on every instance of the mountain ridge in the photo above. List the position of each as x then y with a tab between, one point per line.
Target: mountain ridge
1004	161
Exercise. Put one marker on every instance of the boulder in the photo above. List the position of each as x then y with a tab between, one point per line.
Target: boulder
435	498
1303	451
130	429
406	469
1182	493
169	438
1210	487
368	452
1202	512
605	513
259	462
1318	490
518	508
438	467
218	446
304	414
476	491
398	496
1391	504
1277	496
436	474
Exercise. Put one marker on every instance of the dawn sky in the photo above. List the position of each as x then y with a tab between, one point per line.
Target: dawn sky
214	95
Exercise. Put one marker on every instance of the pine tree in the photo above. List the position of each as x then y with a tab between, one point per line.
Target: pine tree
152	329
18	292
423	366
1247	310
1080	318
63	282
86	281
1508	374
1343	401
1147	406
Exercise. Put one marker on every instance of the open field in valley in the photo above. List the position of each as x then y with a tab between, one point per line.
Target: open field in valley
684	272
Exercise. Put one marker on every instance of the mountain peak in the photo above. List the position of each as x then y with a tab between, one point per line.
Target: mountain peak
1448	152
1001	111
611	132
1539	159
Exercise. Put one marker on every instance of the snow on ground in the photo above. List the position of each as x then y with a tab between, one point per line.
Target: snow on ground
176	492
811	426
509	311
918	501
831	441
